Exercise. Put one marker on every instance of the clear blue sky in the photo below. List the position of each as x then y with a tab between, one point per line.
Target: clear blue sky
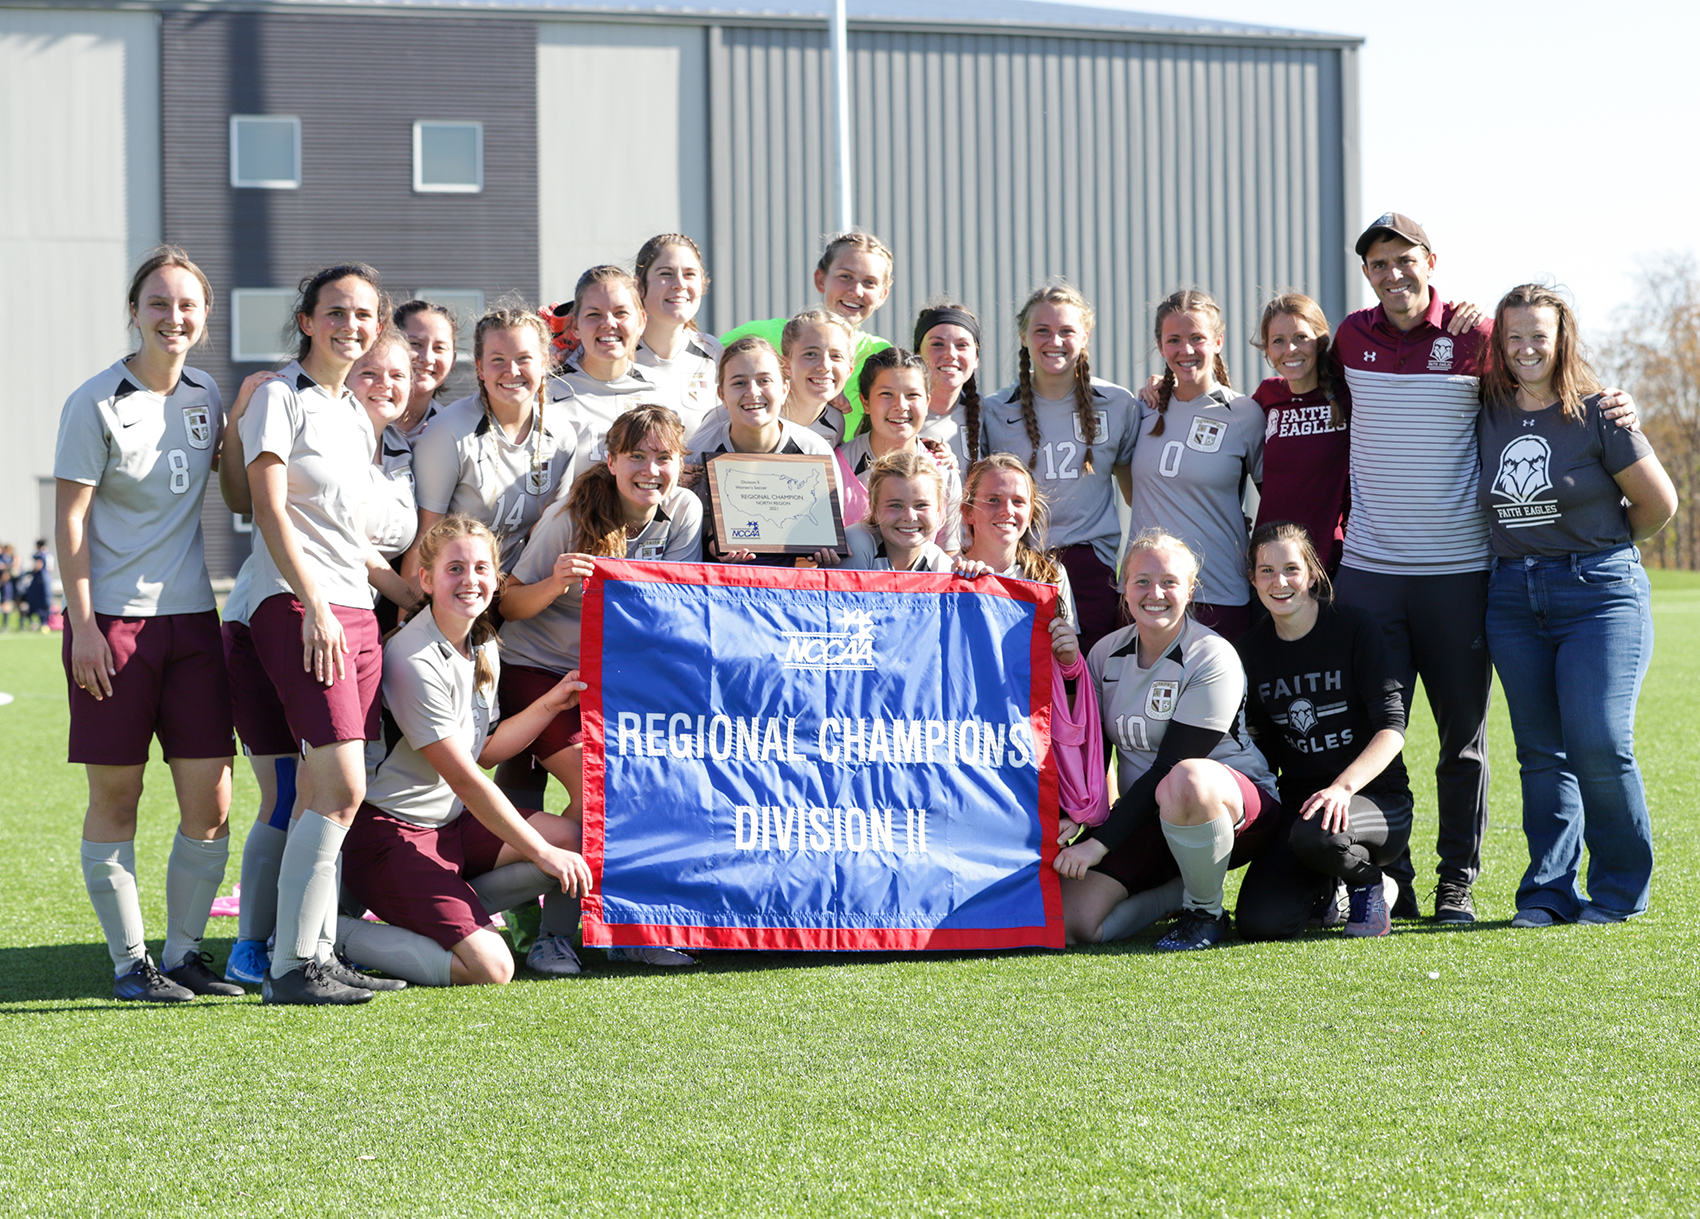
1549	140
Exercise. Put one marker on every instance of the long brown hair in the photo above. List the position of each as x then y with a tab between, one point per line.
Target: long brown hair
1573	378
1187	300
1298	305
651	250
1085	417
593	504
1321	587
1031	554
460	525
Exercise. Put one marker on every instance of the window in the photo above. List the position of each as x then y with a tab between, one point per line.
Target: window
448	157
258	321
265	151
468	306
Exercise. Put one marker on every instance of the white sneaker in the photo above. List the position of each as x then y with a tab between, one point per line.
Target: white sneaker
553	955
650	956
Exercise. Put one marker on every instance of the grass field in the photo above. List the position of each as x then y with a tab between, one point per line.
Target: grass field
1485	1071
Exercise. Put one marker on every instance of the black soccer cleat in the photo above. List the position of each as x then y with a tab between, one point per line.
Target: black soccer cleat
309	987
145	984
195	973
344	971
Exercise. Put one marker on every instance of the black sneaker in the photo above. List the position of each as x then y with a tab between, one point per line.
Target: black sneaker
342	969
195	974
1195	929
145	984
308	986
1330	909
1405	904
1452	902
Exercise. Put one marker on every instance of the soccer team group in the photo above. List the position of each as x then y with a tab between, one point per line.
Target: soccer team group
1430	489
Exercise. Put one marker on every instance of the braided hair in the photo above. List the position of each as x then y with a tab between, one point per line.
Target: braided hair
1086	418
1187	301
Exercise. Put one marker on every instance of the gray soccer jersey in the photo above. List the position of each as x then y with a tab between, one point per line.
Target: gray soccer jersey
1083	506
1198	681
466	463
951	430
326	445
392	515
867	552
1190	481
429	696
858	454
147	457
551	639
688	380
596	404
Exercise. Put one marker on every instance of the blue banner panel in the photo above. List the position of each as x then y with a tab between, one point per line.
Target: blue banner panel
786	758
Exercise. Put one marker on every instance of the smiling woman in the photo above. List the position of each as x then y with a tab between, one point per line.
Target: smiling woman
137	443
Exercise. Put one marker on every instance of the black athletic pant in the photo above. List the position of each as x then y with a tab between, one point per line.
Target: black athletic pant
1434	628
1289	876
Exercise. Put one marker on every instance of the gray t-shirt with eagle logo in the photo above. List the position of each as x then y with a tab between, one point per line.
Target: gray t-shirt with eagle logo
1547	485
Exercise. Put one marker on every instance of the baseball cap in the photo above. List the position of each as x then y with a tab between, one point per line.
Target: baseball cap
1392	224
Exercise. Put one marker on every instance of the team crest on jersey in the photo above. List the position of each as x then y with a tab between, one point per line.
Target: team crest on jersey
1100	428
1160	699
1206	435
651	550
1274	424
1440	355
537	480
1301	714
1525	469
197	423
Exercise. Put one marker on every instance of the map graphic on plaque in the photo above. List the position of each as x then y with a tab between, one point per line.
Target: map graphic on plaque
770	503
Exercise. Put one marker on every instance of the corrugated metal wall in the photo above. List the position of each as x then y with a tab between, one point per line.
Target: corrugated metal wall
990	163
358	84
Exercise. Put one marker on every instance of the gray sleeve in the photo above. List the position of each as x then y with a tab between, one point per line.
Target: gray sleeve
81	453
1130	431
951	533
1214	689
269	424
862	542
436	468
420	701
548	541
1254	424
684	542
1621	447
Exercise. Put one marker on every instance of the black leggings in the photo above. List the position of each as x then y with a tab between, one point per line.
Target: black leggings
1290	875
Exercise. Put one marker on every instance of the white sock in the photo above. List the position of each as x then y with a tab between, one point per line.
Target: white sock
512	885
109	873
306	885
395	950
1138	912
1202	852
262	855
192	878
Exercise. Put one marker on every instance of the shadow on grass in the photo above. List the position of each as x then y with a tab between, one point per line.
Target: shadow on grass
67	973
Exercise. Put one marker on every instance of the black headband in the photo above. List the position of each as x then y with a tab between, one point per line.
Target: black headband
945	316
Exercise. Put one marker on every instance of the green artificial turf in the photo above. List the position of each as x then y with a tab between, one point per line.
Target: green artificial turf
1484	1071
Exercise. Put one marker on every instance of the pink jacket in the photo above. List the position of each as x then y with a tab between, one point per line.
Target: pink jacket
1078	744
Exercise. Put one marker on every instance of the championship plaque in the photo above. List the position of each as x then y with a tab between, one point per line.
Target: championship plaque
776	503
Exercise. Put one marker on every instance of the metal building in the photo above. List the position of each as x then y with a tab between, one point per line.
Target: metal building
992	148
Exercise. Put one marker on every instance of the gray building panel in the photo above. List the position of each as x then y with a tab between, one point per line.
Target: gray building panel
358	84
992	162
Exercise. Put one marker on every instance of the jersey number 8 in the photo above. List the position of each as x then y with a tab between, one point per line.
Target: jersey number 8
178	460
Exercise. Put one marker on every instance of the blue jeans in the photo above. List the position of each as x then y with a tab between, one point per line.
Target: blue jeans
1571	638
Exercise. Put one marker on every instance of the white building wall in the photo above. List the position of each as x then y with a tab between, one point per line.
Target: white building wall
622	135
79	204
